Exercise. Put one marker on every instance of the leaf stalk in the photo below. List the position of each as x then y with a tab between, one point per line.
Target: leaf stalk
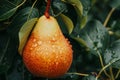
108	16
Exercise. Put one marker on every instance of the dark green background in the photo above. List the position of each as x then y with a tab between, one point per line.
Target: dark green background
88	37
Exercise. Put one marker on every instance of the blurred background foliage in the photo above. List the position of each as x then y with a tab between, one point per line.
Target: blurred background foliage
92	26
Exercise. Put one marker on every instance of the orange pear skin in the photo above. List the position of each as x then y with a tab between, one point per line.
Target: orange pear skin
47	52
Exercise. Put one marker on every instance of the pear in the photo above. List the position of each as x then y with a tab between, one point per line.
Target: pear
47	52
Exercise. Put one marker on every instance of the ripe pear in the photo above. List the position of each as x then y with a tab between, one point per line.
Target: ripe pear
47	52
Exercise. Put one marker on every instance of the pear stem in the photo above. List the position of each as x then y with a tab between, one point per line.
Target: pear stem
47	9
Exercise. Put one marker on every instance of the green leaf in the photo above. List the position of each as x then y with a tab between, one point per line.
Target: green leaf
86	6
68	22
82	21
95	36
24	33
58	7
113	54
17	70
3	68
77	4
81	18
114	3
8	50
20	18
5	40
7	9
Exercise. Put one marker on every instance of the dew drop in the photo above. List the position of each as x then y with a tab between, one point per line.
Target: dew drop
60	51
78	36
53	39
113	52
56	63
95	48
99	45
38	49
34	40
98	36
66	39
71	76
56	35
56	57
53	51
35	45
39	42
31	48
49	41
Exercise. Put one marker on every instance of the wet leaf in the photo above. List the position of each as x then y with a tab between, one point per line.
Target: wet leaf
82	22
77	4
7	8
24	33
86	6
58	7
5	40
114	3
113	54
20	18
68	22
81	18
17	70
95	36
84	35
3	68
7	51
